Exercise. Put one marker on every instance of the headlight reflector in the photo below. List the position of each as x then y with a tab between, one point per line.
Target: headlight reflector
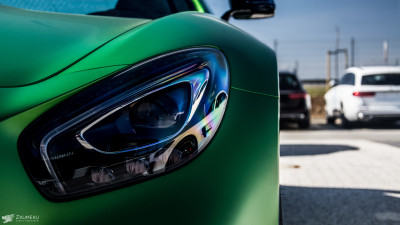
134	125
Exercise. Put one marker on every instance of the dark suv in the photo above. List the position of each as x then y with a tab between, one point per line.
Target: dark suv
295	102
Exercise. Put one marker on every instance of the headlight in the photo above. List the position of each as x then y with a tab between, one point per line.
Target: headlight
134	125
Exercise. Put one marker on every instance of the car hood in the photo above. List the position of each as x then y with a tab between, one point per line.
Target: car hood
37	45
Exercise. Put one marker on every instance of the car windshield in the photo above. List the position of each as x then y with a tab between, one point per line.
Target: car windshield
149	9
381	79
288	82
63	6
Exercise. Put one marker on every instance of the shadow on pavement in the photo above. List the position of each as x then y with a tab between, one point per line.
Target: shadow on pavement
314	126
301	150
344	206
374	125
320	124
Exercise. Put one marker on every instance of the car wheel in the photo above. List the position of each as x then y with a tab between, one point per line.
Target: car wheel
304	124
330	120
345	123
280	209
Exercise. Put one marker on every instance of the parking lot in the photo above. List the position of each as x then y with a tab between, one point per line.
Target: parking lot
330	175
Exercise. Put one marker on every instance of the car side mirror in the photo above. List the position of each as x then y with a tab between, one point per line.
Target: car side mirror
333	83
250	9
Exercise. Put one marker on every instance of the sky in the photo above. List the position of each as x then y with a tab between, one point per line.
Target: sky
304	30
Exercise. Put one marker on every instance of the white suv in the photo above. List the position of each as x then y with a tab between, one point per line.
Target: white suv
365	94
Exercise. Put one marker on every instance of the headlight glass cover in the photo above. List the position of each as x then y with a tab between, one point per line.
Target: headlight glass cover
136	124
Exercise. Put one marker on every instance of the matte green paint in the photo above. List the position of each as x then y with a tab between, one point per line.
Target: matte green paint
35	45
234	181
239	89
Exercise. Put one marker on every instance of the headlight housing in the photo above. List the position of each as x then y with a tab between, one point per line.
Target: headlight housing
144	121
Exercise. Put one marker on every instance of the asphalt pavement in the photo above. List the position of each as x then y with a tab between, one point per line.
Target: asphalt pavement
330	175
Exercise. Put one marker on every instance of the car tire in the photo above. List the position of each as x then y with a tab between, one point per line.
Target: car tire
330	120
280	210
345	122
304	124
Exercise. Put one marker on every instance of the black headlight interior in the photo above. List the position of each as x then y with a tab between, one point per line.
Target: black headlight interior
144	121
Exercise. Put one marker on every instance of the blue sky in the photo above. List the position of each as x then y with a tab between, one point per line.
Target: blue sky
306	29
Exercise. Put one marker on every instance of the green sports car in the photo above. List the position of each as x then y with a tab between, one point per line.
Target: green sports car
109	120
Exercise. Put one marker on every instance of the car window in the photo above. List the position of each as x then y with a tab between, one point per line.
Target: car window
288	82
149	9
63	6
347	79
381	79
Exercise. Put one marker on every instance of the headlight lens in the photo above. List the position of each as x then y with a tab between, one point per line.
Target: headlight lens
143	123
134	125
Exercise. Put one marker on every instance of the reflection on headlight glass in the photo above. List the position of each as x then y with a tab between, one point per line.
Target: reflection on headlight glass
144	122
